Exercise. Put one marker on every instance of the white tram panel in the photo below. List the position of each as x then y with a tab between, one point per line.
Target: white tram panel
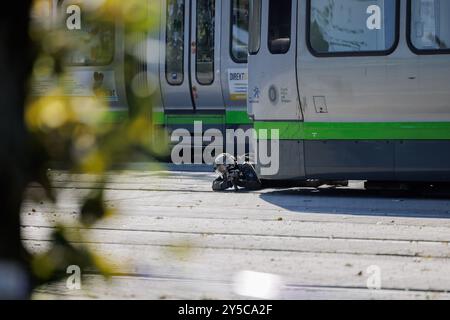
353	88
400	86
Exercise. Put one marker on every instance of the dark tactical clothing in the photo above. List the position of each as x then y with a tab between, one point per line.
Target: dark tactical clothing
243	176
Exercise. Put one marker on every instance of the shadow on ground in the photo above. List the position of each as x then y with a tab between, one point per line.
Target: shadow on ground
348	201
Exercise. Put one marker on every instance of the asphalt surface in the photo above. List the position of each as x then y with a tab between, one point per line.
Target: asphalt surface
173	238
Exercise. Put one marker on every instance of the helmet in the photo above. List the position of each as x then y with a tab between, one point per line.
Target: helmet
223	162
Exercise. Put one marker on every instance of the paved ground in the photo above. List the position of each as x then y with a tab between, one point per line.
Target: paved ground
175	239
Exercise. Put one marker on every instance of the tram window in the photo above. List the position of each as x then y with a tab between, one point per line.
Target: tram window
352	27
239	31
280	12
175	42
93	42
94	45
205	41
255	27
430	25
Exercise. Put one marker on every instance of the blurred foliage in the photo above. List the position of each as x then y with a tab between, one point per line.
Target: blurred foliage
52	265
77	131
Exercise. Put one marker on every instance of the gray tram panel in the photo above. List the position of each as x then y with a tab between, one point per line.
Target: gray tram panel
364	160
292	161
238	146
350	160
423	160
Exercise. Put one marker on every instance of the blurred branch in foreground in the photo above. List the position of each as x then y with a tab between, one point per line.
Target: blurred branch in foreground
59	126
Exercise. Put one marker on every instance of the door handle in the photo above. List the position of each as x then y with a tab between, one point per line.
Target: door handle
195	92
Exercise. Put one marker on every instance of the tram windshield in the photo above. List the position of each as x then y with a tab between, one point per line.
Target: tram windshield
96	46
92	43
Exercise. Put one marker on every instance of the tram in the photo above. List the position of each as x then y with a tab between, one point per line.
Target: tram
194	60
359	90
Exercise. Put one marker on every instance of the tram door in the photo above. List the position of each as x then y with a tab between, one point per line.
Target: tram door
273	93
190	58
205	51
175	56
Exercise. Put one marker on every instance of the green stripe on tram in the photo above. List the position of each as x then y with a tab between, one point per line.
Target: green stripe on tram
229	118
359	130
238	117
158	118
190	119
115	116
